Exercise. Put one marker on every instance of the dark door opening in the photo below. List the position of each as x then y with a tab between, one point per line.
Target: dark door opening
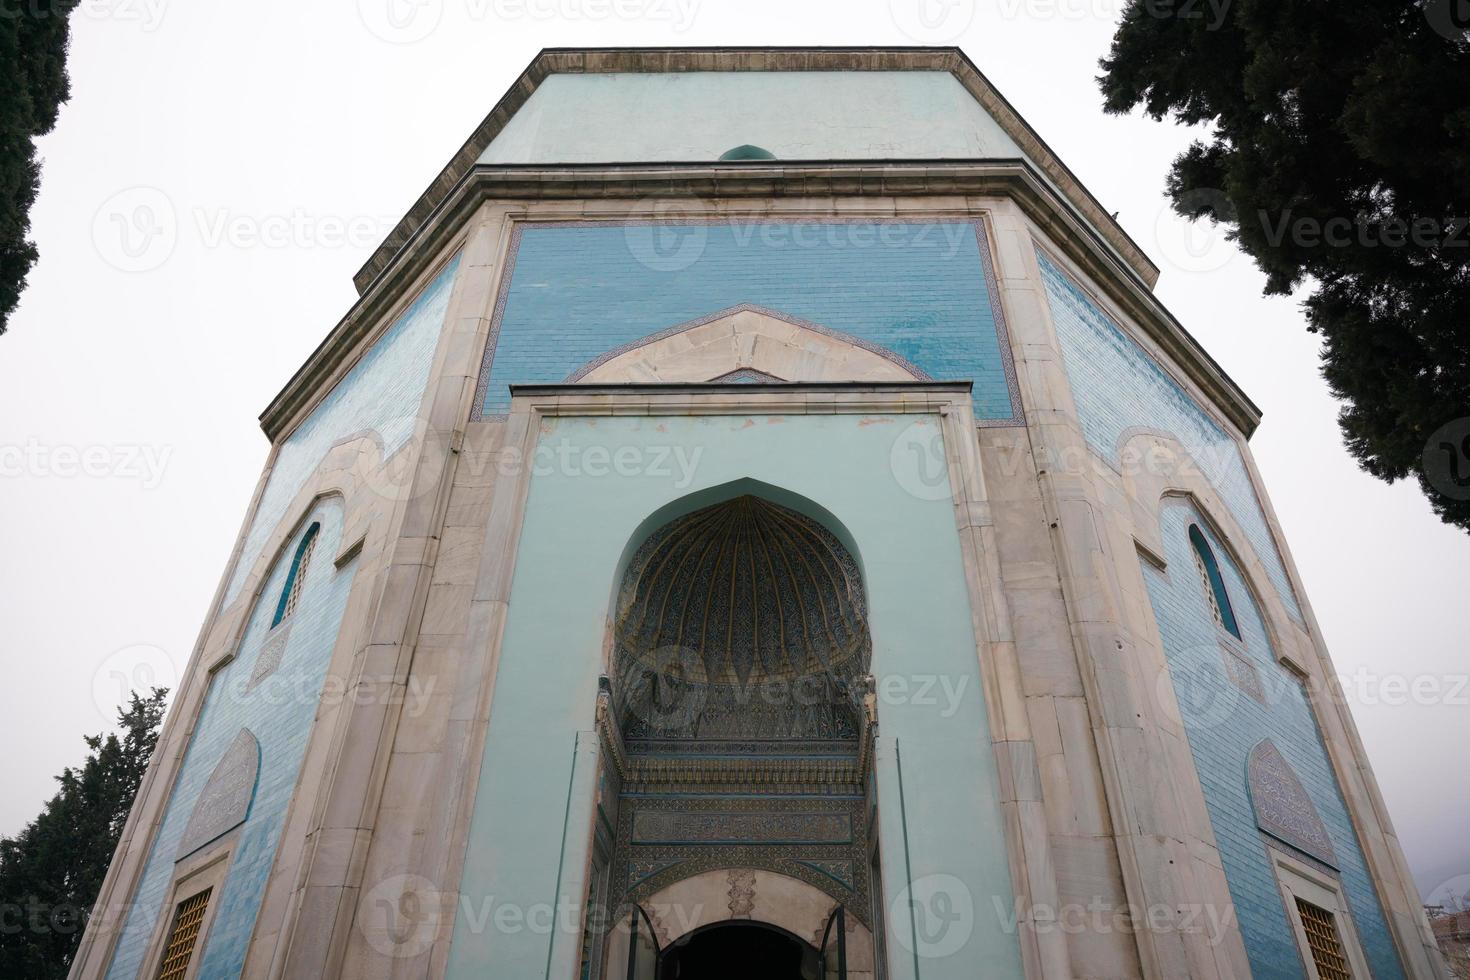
739	951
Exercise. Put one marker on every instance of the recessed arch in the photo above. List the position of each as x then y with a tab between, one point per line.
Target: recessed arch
741	619
1225	536
691	502
1163	474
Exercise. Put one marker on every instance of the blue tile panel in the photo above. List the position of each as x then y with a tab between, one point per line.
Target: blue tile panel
920	290
380	394
1117	386
279	711
1224	723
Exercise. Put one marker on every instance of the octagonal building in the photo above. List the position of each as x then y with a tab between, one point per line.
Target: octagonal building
757	520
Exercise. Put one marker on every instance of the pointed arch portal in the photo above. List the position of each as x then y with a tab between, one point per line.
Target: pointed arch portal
718	637
737	716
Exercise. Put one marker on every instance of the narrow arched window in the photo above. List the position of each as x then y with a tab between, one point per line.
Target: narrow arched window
1214	584
291	592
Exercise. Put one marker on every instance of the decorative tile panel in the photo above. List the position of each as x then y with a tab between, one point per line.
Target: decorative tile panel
270	656
225	801
1283	808
664	839
920	290
1242	673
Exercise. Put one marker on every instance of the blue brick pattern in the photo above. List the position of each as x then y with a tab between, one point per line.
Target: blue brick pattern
279	711
1117	386
1224	723
919	290
381	394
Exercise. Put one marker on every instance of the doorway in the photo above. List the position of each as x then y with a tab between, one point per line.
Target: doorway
740	950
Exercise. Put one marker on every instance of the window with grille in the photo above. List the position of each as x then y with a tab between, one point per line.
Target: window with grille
1213	582
184	936
1323	942
291	594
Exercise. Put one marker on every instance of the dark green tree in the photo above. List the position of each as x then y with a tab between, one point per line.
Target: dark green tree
51	872
33	85
1337	156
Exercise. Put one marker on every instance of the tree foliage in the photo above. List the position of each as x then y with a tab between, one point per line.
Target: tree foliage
1338	158
33	85
51	872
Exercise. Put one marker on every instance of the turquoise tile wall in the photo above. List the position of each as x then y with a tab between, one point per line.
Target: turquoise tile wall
921	290
279	711
1224	723
1117	386
381	394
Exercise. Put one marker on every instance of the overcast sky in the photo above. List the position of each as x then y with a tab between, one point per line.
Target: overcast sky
280	140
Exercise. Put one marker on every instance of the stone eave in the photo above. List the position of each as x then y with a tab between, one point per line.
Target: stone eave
1015	179
552	61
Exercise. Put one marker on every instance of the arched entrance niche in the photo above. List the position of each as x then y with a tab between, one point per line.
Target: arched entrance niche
743	620
737	721
709	496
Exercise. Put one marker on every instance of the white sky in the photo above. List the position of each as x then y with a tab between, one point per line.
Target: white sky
293	116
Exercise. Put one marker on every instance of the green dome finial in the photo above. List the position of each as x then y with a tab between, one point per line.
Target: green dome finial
748	151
